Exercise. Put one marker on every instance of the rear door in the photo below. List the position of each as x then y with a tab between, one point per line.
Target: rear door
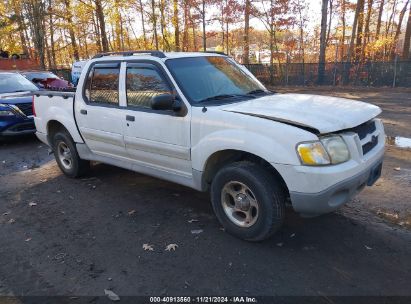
98	114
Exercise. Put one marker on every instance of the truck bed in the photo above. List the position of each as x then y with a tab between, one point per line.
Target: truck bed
53	107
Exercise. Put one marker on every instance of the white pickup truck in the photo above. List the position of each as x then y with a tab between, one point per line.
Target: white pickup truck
203	121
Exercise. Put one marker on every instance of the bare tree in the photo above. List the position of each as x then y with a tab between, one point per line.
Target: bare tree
407	38
398	30
323	42
246	41
176	25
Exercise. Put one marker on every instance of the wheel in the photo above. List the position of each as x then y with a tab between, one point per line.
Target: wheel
248	201
67	157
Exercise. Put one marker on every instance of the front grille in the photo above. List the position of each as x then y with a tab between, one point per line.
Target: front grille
363	130
370	145
26	108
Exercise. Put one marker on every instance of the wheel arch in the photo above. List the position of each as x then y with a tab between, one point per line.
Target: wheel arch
54	126
221	158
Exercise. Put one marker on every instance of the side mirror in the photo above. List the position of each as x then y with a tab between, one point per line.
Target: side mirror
165	102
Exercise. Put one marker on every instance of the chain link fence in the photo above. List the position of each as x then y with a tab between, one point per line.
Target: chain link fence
394	74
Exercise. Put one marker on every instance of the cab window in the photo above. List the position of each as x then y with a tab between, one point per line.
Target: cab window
102	85
142	83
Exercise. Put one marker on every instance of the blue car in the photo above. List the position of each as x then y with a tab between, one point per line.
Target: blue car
16	110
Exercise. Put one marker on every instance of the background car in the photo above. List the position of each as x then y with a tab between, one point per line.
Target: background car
16	104
47	80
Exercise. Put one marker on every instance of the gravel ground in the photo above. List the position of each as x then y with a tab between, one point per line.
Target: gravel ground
62	236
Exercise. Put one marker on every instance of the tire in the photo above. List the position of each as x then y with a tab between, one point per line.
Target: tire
72	165
253	212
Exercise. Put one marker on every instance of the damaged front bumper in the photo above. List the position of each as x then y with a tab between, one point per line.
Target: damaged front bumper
330	199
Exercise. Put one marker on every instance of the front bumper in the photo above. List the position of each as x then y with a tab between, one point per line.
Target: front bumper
21	127
330	199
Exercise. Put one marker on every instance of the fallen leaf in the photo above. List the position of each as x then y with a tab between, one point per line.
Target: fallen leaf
292	235
170	247
3	161
28	240
148	247
111	295
367	247
280	244
196	231
397	169
192	221
11	221
131	212
32	204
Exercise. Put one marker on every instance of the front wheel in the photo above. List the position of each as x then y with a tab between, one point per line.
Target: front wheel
67	157
248	201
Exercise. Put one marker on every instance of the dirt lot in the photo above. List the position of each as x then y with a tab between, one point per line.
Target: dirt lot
61	236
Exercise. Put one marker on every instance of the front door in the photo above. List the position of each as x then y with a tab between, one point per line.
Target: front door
156	138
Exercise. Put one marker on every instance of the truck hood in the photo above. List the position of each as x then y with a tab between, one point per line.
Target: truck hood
323	113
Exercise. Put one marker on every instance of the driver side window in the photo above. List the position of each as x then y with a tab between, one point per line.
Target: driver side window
143	83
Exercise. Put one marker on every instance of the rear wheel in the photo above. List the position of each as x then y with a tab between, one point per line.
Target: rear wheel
248	201
67	157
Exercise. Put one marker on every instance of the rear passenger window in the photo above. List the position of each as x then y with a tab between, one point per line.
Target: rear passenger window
142	84
102	85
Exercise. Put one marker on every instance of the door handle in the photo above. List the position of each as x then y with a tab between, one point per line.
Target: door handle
84	112
130	118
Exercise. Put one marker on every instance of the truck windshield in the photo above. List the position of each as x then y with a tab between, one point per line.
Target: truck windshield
12	82
212	79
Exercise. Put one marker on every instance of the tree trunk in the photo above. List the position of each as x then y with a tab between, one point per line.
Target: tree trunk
378	30
69	19
246	41
185	32
342	49
329	22
204	26
176	26
36	13
117	26
407	38
102	23
366	29
398	30
20	23
143	25
323	42
360	25
154	22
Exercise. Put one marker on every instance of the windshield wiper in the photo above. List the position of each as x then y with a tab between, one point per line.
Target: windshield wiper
222	96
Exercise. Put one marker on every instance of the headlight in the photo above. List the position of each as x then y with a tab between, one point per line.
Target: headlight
328	150
313	154
336	148
6	113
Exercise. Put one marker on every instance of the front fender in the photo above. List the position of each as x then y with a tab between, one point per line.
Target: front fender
246	141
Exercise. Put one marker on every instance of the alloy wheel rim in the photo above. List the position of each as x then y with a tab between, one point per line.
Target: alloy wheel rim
239	204
64	154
